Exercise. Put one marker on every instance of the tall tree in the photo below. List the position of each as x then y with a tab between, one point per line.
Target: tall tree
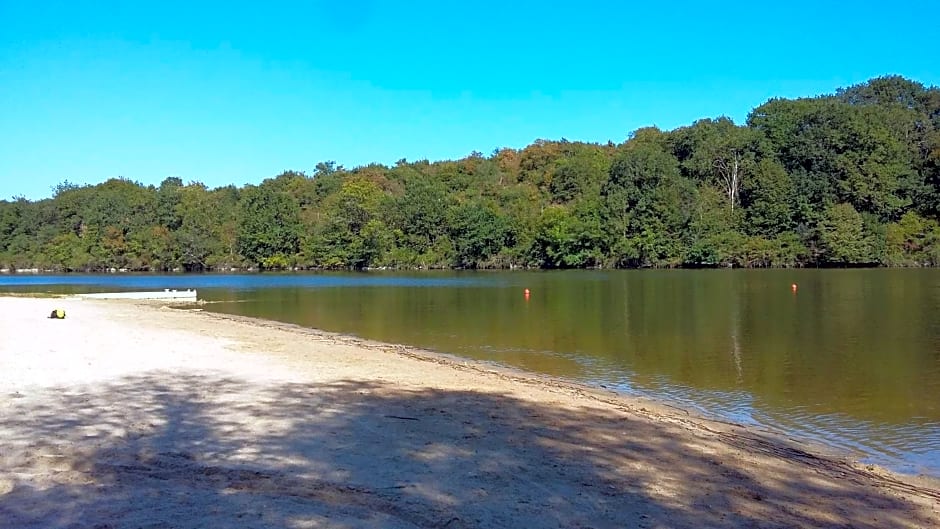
268	226
478	231
717	151
842	236
646	204
168	200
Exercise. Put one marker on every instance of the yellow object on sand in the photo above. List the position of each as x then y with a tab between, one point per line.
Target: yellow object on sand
58	314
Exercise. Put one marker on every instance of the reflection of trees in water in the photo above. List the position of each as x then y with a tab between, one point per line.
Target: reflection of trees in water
736	344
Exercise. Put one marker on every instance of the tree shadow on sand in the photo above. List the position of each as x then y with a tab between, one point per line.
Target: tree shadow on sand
167	450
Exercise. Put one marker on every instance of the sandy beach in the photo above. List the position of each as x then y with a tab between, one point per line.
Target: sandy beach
141	416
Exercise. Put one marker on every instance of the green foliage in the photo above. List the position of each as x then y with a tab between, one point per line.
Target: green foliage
846	179
421	211
268	224
479	232
769	198
720	154
843	238
277	261
580	173
564	240
646	204
168	200
912	241
844	153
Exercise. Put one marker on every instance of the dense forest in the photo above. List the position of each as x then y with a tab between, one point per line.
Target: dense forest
848	179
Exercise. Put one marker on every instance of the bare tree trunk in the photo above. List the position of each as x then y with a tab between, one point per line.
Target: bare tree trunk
729	173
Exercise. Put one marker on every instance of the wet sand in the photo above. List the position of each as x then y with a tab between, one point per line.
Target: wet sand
125	415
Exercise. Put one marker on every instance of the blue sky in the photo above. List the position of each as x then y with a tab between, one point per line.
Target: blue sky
235	92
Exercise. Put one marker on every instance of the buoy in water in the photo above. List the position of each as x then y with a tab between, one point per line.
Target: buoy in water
793	288
526	292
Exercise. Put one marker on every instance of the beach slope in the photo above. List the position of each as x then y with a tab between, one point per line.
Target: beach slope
126	415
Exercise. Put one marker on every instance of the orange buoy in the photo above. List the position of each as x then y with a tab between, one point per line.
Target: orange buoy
526	292
793	288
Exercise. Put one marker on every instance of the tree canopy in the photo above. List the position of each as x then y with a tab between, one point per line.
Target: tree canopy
846	179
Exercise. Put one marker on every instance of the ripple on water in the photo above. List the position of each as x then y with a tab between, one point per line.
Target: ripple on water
912	448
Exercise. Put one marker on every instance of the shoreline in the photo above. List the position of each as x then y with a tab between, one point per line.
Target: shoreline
650	406
656	407
213	396
668	405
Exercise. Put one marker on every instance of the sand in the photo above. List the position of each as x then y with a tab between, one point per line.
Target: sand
141	416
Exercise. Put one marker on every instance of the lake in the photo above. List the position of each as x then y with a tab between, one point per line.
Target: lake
850	359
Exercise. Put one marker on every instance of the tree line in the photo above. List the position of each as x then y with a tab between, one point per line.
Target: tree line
845	179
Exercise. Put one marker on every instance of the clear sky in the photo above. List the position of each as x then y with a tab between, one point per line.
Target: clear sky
234	92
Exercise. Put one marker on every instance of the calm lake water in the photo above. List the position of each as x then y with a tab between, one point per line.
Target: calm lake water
852	359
